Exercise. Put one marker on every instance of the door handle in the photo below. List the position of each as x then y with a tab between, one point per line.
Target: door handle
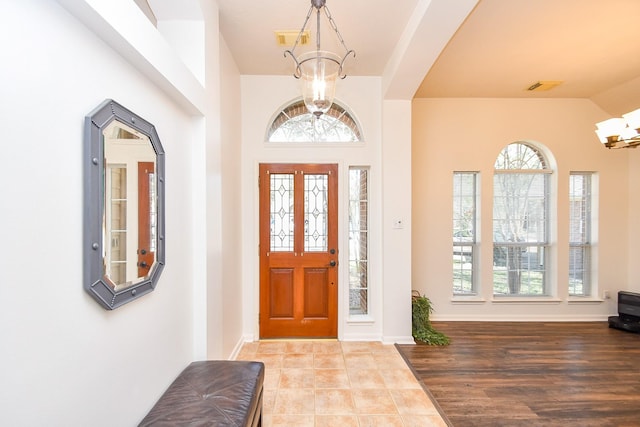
332	263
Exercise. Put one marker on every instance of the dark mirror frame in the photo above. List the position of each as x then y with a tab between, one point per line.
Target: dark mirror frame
94	206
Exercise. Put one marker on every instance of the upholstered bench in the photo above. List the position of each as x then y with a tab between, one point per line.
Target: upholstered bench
212	393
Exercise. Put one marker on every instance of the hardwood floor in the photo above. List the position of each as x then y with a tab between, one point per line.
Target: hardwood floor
532	374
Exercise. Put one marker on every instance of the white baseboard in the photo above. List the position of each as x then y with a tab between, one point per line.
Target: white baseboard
521	318
400	339
360	337
236	349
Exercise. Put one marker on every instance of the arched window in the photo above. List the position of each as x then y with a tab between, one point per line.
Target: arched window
294	123
520	221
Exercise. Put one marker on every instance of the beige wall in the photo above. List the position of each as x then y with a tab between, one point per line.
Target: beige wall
634	227
467	135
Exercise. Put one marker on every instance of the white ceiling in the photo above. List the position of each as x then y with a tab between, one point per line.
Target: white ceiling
502	47
371	28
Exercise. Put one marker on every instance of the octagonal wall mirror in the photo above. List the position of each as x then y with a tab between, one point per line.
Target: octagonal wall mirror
124	246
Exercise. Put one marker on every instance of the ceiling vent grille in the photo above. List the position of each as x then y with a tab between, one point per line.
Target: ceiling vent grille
543	85
288	38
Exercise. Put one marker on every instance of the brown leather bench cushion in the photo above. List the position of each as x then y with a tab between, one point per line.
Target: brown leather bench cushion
212	393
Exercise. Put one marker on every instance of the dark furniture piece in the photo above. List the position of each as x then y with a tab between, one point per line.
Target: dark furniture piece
212	393
628	318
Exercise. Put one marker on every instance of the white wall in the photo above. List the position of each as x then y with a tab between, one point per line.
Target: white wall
232	263
262	97
396	227
64	359
467	135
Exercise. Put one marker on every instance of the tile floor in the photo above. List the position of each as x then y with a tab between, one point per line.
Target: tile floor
329	383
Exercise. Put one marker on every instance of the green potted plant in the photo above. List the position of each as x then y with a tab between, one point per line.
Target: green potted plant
421	328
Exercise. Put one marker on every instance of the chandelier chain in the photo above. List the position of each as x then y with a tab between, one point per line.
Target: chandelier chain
335	27
304	25
320	69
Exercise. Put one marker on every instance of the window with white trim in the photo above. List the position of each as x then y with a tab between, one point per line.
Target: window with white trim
580	202
520	221
358	240
465	199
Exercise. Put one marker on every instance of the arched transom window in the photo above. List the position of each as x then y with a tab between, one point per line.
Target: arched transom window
294	123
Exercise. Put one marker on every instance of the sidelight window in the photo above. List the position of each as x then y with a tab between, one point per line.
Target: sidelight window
580	233
465	198
358	240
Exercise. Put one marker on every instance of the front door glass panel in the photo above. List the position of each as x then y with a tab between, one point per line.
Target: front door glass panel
282	212
315	213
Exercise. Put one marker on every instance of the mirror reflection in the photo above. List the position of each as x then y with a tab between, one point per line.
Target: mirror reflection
124	208
130	205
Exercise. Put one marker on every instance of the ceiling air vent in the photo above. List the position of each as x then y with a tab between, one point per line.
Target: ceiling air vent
543	85
288	38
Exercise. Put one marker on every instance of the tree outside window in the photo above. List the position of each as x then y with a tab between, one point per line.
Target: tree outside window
520	221
580	233
464	232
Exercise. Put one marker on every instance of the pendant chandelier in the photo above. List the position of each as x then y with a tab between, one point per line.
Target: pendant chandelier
620	132
319	70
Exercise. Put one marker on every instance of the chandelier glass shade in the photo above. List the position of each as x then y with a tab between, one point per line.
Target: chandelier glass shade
620	132
319	70
319	74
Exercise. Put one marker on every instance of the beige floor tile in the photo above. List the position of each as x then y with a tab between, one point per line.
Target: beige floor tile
365	378
297	360
386	349
271	361
374	402
271	379
359	361
268	400
295	401
413	402
331	378
380	421
389	361
324	383
360	347
336	421
299	347
328	361
327	347
296	378
289	421
334	402
271	347
400	378
423	421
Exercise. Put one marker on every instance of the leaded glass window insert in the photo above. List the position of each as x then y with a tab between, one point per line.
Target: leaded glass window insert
580	199
520	222
281	212
296	124
315	213
464	232
358	240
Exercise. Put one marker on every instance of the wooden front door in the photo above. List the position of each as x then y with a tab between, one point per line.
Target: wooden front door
146	248
298	250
